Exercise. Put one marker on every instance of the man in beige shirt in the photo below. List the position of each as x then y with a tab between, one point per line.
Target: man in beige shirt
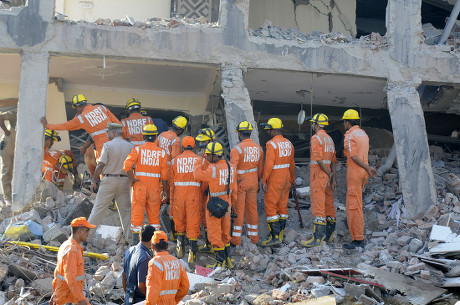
7	151
115	183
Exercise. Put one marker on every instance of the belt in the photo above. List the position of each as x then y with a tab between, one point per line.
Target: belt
188	183
96	133
116	175
324	162
281	166
148	175
220	193
137	142
240	172
78	278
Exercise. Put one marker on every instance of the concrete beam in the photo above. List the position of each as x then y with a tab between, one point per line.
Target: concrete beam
409	131
29	138
237	103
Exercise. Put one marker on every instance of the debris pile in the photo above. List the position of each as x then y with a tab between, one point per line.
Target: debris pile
433	35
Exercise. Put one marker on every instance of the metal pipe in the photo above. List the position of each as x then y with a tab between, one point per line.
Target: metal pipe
450	22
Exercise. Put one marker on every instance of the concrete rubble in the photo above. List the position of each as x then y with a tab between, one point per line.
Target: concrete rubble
398	248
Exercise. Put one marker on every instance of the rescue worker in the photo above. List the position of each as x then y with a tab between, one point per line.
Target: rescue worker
167	280
147	170
7	145
356	149
204	137
135	122
170	142
248	158
115	184
217	175
92	118
185	190
135	267
322	182
69	275
279	175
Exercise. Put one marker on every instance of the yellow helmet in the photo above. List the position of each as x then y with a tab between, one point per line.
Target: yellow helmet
66	162
350	114
206	134
244	126
320	119
133	104
150	130
214	148
78	99
52	134
180	122
143	112
273	123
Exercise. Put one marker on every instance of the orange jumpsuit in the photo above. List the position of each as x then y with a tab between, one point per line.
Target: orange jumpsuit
151	166
185	190
248	158
167	281
321	196
279	173
93	119
134	125
204	196
356	143
69	275
217	175
51	167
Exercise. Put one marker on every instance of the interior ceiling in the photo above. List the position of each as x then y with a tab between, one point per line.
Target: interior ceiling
120	74
328	89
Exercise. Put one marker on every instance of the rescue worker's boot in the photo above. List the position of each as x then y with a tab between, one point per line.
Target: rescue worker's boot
282	227
230	261
330	228
193	243
274	239
135	238
113	205
220	258
180	245
319	232
172	235
207	246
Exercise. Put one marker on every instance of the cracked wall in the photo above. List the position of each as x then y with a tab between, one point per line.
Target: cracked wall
306	16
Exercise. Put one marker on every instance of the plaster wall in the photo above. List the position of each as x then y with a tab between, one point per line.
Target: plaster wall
91	10
56	113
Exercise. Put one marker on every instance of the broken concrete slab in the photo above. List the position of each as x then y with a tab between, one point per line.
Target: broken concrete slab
22	272
55	233
3	272
83	209
417	292
445	248
43	286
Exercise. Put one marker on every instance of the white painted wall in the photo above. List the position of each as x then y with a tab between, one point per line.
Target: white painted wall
91	10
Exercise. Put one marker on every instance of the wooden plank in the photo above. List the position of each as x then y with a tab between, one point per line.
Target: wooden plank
419	293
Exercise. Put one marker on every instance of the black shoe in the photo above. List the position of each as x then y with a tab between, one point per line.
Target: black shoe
354	244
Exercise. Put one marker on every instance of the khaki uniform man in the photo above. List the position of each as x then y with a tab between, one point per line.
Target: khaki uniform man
7	151
115	184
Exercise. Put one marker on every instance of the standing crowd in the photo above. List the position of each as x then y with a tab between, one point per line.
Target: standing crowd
140	170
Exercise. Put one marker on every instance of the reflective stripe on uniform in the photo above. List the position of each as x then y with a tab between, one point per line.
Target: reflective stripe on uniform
158	265
252	233
324	162
254	227
236	234
237	227
240	172
147	174
168	292
214	172
156	226
276	217
135	229
137	142
80	118
239	149
273	144
281	166
284	216
319	139
220	193
78	278
137	149
187	183
349	142
173	141
96	133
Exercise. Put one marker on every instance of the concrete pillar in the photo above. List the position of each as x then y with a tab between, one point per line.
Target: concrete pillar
28	159
237	103
415	172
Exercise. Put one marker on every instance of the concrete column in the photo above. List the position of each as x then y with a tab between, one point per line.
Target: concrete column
28	159
412	152
237	103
